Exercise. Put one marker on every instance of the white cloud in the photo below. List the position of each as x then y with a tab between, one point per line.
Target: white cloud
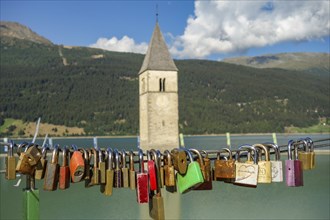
126	44
235	26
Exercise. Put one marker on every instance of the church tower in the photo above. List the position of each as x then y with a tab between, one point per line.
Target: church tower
158	91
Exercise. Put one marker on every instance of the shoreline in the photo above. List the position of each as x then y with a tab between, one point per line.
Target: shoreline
185	135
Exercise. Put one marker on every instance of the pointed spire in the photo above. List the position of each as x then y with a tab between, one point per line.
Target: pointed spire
158	56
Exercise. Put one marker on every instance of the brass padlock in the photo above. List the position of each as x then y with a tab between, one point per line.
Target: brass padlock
95	180
41	165
305	156
169	170
265	170
132	174
225	169
109	174
102	167
52	172
124	169
277	165
26	159
180	160
10	163
33	153
311	150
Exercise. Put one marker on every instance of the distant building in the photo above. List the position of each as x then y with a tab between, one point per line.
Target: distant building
158	90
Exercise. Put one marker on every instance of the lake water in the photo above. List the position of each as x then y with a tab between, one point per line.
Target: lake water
225	201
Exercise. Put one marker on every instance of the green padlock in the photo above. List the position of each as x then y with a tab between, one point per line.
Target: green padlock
193	176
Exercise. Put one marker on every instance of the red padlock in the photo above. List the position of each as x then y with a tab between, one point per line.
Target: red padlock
64	180
142	192
77	165
152	172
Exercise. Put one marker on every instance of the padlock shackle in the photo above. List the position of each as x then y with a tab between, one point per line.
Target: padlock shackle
123	158
110	158
264	149
290	146
65	156
141	161
116	155
55	154
310	144
95	157
199	155
247	148
224	150
131	160
168	158
276	149
20	146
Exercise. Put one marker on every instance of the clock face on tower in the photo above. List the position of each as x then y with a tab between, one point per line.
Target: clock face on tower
162	101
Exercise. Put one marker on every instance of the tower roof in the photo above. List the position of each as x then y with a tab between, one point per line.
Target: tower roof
157	56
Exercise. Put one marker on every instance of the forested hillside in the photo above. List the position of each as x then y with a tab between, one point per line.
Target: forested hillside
98	91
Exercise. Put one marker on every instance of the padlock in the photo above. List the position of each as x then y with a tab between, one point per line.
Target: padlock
33	154
169	170
102	167
142	185
277	165
157	207
132	175
265	168
151	172
23	165
95	180
161	168
51	174
293	167
87	170
179	157
64	178
124	169
246	173
118	179
109	174
305	156
10	163
77	165
311	150
225	169
206	171
193	176
41	165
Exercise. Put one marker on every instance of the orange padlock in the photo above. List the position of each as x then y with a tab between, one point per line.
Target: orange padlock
77	165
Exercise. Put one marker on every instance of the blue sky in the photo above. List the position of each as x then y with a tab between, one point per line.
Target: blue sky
203	29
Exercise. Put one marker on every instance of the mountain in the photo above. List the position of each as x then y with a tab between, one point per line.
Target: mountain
97	90
310	62
16	30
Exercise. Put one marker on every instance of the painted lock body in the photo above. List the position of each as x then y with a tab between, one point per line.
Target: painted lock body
193	176
77	165
276	165
51	174
265	168
246	173
152	172
225	169
64	178
293	167
142	183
